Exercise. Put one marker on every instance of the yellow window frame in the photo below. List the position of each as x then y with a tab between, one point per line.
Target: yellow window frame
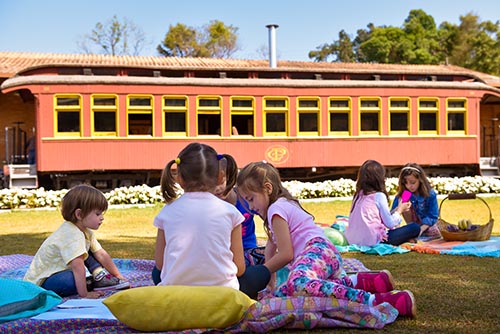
309	110
428	110
367	110
340	110
275	110
457	110
400	110
69	108
133	109
242	111
209	110
104	108
175	109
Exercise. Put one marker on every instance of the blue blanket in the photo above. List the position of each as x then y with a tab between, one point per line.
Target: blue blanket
379	249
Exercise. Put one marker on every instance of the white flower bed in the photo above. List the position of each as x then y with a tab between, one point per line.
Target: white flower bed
39	198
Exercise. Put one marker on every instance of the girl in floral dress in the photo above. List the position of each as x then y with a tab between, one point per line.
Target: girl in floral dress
314	262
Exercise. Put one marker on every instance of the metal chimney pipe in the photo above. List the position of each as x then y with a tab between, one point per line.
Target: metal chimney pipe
272	44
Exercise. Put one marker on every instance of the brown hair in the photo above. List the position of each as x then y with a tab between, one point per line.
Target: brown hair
83	197
418	172
370	179
198	165
252	178
231	173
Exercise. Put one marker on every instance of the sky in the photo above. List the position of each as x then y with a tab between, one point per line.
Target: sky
55	26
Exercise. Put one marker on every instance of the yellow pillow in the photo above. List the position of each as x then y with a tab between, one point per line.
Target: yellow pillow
174	307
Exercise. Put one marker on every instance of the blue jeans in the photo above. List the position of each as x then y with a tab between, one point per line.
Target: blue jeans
253	280
63	282
402	234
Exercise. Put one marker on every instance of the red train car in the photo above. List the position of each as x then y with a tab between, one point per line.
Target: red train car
115	121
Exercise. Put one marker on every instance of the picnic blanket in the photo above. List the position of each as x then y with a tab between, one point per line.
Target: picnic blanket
490	248
264	316
378	249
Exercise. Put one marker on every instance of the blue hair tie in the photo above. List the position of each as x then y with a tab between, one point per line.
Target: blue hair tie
220	156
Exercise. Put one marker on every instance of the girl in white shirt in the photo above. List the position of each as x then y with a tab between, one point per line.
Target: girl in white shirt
199	240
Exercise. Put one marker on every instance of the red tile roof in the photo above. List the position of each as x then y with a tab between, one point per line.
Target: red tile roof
12	63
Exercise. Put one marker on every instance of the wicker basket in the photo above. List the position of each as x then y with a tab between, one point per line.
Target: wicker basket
483	232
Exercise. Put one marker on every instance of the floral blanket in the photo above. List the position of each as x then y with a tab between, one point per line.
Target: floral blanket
264	316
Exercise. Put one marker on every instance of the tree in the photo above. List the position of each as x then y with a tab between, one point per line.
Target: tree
180	41
214	40
341	50
114	38
472	44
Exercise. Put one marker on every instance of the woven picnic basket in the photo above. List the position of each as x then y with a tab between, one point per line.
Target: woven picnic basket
483	232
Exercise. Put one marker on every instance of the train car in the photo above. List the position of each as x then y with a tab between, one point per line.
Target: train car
116	121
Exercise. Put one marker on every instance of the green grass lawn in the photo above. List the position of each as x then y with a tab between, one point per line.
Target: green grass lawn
455	294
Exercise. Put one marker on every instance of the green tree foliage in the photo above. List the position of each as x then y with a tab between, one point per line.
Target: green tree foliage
472	44
341	50
114	38
214	40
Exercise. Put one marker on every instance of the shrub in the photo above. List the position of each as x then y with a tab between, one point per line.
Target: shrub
40	198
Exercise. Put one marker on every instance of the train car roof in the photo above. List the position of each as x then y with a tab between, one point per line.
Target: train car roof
25	63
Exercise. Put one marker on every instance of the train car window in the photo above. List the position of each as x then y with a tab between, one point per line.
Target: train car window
140	101
68	111
104	115
427	122
275	122
399	112
275	103
369	116
209	113
68	101
456	122
68	121
175	111
140	115
339	122
340	116
308	122
369	121
140	124
308	116
369	103
105	121
242	116
456	112
276	116
428	116
399	122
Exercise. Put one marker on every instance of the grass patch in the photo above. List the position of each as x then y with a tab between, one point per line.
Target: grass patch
455	294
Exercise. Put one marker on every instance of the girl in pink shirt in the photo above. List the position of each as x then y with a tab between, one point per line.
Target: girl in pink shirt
370	221
294	240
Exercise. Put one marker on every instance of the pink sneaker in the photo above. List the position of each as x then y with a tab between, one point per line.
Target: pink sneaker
403	301
375	281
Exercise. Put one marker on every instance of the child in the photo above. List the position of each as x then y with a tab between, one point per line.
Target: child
59	265
254	254
370	221
314	262
424	205
199	238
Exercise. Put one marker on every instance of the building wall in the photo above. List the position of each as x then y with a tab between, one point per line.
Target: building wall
12	111
490	130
